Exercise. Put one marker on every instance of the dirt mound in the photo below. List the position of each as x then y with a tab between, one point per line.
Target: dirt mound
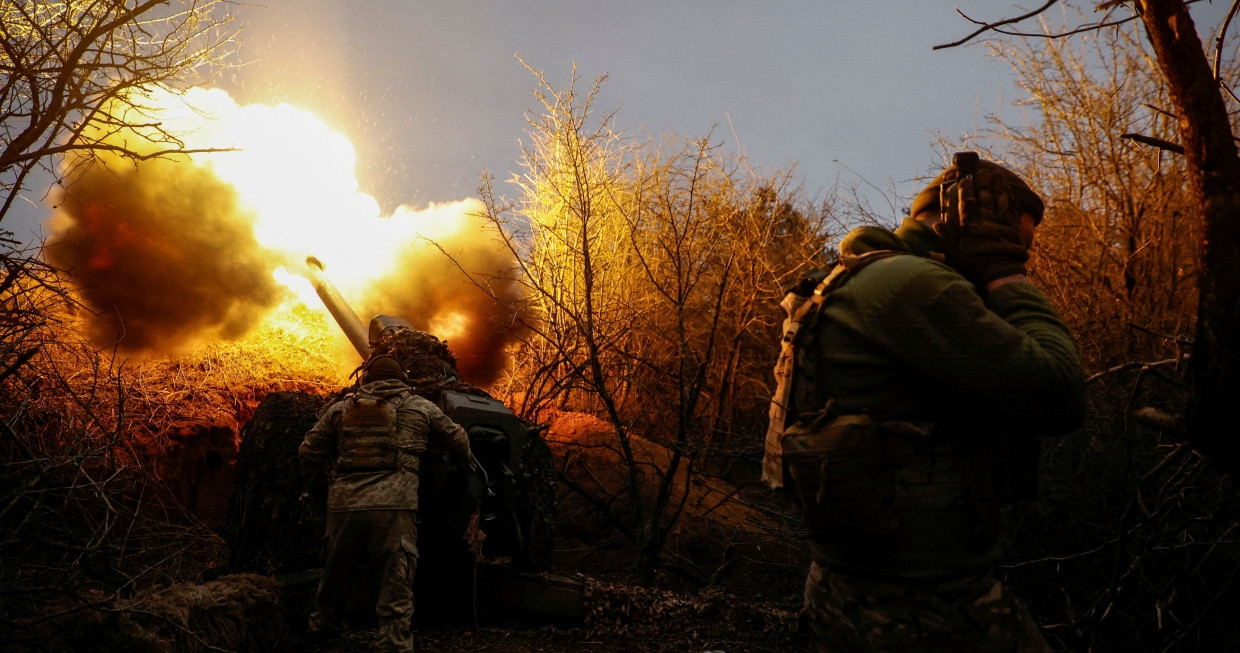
619	618
736	537
591	456
198	468
617	611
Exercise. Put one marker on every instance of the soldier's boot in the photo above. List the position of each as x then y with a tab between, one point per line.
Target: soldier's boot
326	629
394	636
325	624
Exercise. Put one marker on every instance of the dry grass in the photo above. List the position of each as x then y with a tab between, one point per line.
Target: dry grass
294	349
86	519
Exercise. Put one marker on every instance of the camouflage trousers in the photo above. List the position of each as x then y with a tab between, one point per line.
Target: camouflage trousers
384	541
974	614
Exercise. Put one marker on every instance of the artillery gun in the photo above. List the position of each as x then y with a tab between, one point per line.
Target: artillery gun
514	494
496	521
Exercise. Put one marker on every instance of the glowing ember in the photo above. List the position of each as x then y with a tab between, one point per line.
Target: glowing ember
185	250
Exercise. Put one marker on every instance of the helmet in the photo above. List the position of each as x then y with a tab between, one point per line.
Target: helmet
1003	178
381	368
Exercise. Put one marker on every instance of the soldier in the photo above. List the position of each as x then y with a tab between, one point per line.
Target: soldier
912	381
375	438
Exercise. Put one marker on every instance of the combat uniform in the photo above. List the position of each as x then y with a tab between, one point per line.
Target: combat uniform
375	437
930	396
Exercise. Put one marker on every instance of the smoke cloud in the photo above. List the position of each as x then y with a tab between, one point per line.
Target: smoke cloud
163	254
172	252
429	289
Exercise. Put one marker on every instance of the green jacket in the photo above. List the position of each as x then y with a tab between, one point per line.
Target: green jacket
908	338
956	385
419	424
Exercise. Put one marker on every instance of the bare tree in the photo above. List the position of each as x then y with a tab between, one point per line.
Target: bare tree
74	73
78	506
1199	104
647	270
1118	250
70	65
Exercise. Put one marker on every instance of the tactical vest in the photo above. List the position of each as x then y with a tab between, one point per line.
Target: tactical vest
895	499
802	312
891	499
368	436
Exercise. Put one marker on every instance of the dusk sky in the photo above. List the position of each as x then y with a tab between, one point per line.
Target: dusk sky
430	93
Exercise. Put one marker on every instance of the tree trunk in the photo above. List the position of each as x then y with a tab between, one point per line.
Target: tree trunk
1214	175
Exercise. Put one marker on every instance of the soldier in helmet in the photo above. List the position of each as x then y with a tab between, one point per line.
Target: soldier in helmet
912	381
375	437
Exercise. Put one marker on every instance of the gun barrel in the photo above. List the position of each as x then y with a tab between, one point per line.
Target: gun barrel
338	307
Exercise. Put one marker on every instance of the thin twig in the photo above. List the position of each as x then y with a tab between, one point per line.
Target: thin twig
1136	364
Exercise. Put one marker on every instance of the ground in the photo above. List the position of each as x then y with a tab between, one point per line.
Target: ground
751	558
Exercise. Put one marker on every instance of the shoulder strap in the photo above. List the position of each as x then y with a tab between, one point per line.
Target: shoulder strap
802	312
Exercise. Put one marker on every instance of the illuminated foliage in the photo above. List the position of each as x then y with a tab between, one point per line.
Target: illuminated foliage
653	273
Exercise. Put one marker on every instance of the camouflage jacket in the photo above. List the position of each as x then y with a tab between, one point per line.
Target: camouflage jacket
419	425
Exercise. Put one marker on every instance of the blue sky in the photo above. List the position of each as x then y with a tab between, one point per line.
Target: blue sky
431	95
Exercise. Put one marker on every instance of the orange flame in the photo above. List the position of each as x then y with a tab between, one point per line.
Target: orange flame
180	231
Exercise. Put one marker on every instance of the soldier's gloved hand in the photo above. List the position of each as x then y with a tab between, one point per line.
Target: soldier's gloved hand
314	496
306	501
981	236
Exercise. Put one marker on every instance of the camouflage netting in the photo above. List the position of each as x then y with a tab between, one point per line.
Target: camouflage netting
537	505
269	528
428	361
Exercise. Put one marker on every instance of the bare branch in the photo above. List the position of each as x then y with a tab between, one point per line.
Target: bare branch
997	27
1136	365
988	27
1155	142
66	63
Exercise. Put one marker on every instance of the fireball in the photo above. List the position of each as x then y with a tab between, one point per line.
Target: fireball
176	250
